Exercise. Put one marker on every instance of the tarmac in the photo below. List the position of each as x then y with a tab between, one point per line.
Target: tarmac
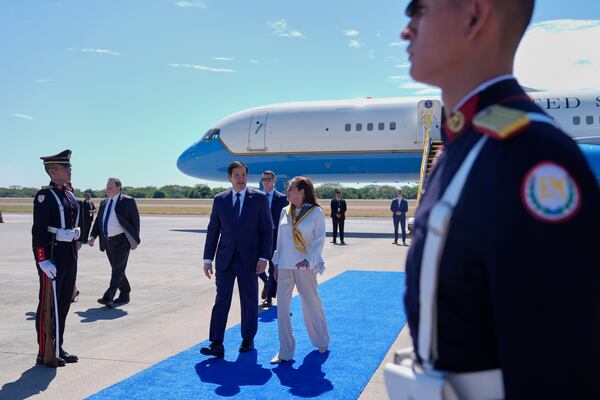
170	306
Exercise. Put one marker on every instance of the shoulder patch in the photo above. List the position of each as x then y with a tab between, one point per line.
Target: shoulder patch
41	198
549	193
500	122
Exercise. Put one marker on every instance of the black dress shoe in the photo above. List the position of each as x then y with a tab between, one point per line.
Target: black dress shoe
215	350
59	362
69	358
106	302
343	243
267	304
334	241
121	300
247	345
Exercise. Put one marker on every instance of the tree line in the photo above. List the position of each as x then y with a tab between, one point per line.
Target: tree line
324	191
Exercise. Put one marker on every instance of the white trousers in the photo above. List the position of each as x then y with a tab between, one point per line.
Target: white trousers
312	309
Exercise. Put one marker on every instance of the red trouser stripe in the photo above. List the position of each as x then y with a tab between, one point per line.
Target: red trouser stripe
41	319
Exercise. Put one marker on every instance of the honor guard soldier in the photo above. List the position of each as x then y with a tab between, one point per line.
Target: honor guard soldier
55	235
502	294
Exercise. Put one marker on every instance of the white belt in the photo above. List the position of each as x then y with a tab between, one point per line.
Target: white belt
406	379
65	235
480	385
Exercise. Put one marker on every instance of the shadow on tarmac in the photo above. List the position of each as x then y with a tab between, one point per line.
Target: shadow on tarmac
308	380
100	314
269	315
362	235
33	381
232	375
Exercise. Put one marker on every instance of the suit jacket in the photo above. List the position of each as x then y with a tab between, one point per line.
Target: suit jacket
128	217
278	203
334	207
402	207
251	236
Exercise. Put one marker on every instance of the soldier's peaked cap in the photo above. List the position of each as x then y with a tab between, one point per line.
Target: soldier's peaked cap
62	158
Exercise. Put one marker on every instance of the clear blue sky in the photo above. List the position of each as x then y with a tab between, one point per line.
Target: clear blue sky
129	84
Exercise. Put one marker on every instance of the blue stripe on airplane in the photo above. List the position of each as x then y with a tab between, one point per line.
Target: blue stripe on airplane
209	160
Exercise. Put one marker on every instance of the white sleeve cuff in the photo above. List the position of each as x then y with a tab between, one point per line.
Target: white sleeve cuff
315	262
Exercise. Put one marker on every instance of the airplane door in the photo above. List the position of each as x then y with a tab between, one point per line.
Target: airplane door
257	135
429	116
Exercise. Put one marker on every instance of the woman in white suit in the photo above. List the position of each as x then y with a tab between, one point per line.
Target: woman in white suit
297	261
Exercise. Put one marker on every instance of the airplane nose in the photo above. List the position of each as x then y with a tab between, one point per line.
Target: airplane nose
184	162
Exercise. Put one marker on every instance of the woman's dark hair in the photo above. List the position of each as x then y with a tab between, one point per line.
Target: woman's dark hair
303	183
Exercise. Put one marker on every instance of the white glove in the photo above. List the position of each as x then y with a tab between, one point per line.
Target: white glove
48	268
77	233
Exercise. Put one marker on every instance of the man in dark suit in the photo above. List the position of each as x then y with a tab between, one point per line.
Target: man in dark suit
399	207
277	201
241	225
118	225
338	215
88	211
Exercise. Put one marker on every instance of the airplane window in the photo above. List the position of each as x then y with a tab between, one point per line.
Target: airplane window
392	126
589	119
347	127
212	134
370	126
359	127
381	126
576	120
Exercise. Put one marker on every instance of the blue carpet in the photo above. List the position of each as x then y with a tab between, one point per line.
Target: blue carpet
364	313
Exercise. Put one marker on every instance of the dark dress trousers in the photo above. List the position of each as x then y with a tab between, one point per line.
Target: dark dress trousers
338	207
63	254
399	219
278	203
118	247
236	244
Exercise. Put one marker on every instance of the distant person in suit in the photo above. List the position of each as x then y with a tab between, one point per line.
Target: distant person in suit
338	215
399	208
297	260
118	225
87	213
277	201
240	234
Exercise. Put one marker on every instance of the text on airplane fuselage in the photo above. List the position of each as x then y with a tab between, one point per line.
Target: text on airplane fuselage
561	103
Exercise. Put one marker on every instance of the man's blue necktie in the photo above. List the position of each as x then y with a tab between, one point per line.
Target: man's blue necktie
236	207
106	217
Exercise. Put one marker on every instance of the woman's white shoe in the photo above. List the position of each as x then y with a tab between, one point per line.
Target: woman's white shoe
277	359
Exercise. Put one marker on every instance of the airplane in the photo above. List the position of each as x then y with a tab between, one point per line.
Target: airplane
360	140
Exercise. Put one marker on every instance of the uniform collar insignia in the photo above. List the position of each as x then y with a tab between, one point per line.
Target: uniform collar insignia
456	122
460	120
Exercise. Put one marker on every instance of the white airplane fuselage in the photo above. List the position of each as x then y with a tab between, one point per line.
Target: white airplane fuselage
362	140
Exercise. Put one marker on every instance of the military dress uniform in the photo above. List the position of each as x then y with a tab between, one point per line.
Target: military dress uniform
518	275
48	245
